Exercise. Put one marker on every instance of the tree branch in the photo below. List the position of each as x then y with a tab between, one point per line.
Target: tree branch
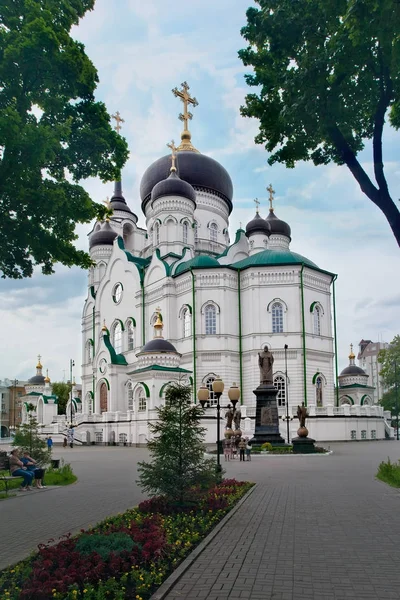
379	121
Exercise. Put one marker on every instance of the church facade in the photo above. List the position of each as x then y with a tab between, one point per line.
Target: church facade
179	301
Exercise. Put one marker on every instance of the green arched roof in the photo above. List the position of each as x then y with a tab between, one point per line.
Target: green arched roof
198	262
274	257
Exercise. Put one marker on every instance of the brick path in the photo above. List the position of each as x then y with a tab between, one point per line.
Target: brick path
318	528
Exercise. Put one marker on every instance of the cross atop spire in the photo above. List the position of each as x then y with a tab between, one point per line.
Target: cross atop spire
119	120
173	155
257	203
271	196
186	116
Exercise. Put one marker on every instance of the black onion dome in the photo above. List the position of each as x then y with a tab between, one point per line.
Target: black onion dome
118	201
104	236
173	186
353	370
37	380
158	345
257	225
277	226
197	169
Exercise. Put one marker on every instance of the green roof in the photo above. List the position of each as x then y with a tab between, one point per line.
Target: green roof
274	257
159	368
355	385
198	262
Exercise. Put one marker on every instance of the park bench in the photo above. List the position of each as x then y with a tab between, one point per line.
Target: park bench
5	466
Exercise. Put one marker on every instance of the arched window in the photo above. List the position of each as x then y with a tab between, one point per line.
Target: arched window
277	317
186	323
319	391
103	398
89	351
196	231
127	232
89	403
317	320
280	385
130	332
210	312
129	389
213	232
142	402
156	234
117	337
185	232
212	397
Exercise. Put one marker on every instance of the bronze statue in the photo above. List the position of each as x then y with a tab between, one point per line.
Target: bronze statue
265	362
237	417
302	414
229	417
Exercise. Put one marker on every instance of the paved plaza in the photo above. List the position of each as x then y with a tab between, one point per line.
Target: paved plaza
315	528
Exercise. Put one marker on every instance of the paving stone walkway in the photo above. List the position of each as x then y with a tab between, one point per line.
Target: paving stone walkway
315	528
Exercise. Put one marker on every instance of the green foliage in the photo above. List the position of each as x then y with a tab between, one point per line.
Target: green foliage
62	476
282	450
390	361
176	449
327	73
266	446
62	391
104	544
28	440
52	134
389	473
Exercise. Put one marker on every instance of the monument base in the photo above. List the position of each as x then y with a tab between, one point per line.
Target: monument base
303	445
267	420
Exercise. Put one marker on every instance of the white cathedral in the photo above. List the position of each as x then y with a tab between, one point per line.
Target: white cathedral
177	300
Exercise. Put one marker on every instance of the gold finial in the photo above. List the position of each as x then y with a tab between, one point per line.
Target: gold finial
159	322
104	328
257	203
271	196
119	120
173	155
47	378
351	355
110	209
186	116
39	364
240	224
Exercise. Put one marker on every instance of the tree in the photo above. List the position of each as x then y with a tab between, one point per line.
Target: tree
62	391
52	134
177	449
28	440
329	74
390	374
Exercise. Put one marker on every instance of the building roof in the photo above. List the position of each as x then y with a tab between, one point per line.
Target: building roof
158	345
197	169
277	225
274	257
173	186
198	262
103	236
257	225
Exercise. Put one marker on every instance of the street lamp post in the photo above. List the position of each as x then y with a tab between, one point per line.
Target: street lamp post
71	442
203	395
396	397
287	395
15	383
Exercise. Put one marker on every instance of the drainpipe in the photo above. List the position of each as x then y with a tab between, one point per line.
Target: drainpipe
303	334
94	349
240	339
335	334
194	335
143	308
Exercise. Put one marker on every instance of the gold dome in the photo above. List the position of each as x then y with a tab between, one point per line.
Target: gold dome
351	355
47	378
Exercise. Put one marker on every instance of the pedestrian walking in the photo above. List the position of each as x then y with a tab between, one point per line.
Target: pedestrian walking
242	448
70	436
49	443
248	449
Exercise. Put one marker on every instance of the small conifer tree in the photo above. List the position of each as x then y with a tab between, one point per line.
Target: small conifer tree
28	440
177	449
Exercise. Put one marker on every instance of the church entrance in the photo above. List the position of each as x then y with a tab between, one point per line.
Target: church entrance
103	398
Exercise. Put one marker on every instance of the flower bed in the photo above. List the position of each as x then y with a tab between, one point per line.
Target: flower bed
126	556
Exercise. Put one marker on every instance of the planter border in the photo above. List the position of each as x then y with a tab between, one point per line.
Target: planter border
175	576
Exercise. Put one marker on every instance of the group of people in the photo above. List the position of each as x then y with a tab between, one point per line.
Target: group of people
26	467
237	445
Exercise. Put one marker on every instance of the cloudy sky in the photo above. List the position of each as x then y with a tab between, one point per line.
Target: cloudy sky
144	49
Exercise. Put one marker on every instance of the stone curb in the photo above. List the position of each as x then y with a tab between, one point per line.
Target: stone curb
184	566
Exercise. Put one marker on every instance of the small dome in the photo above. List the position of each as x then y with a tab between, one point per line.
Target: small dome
199	262
118	201
277	226
257	225
197	169
173	186
104	236
37	380
353	370
158	345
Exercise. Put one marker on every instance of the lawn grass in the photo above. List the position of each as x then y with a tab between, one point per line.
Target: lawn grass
62	476
389	473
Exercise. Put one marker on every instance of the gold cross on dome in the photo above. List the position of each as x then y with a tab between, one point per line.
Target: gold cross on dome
119	120
257	203
39	357
184	95
173	155
271	196
107	203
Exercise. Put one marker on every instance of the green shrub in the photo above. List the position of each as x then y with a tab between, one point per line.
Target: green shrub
267	446
389	473
104	544
282	450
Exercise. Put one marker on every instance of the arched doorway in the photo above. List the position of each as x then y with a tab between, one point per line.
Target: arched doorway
103	398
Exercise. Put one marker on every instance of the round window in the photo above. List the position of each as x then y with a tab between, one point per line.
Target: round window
103	366
117	293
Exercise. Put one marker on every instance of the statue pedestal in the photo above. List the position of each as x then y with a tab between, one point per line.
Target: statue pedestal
303	444
267	420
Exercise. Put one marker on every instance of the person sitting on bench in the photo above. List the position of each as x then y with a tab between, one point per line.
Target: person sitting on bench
17	469
31	465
